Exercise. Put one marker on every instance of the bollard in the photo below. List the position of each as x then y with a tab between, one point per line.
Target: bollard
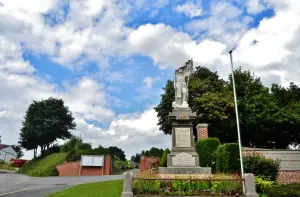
127	185
250	185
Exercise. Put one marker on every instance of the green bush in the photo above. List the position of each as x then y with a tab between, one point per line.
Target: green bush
206	149
227	158
45	166
164	158
291	190
263	185
262	167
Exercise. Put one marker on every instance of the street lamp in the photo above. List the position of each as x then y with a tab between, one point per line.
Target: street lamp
237	121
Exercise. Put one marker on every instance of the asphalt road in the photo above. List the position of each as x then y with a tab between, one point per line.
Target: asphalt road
19	185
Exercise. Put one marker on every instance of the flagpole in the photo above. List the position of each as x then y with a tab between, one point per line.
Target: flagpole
237	121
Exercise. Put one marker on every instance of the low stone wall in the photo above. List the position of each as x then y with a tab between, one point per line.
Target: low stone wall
286	177
289	165
290	159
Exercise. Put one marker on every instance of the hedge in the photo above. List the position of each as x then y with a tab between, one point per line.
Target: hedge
206	149
164	158
262	167
227	158
291	190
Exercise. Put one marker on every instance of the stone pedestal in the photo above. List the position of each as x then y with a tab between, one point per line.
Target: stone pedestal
183	158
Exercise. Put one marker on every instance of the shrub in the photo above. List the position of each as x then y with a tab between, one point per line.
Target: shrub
71	144
72	156
227	158
206	149
261	166
262	185
291	190
164	158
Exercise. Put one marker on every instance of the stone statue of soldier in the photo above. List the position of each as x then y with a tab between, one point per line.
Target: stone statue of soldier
181	85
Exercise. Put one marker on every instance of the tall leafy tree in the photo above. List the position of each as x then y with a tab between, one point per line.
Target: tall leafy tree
269	117
115	151
154	152
45	122
165	107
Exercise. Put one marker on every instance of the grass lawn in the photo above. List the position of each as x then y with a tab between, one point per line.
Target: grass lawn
5	166
101	189
43	166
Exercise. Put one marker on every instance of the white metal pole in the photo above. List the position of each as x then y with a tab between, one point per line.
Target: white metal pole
237	121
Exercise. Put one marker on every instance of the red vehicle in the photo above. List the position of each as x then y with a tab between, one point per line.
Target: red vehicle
18	162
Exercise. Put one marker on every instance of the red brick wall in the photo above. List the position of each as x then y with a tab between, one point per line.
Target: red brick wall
107	165
202	131
73	168
89	171
289	177
69	169
146	162
142	163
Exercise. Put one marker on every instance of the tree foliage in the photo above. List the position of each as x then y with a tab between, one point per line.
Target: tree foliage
269	117
117	152
18	150
45	122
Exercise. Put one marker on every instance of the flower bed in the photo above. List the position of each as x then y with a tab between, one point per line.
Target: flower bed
146	184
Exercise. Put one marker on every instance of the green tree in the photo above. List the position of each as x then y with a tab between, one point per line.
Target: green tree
136	158
117	152
45	122
154	152
269	118
100	150
164	158
165	107
18	150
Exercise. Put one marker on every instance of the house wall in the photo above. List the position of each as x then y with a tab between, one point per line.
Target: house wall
8	153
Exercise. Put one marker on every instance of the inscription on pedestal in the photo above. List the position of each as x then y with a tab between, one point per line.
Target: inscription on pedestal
183	137
183	159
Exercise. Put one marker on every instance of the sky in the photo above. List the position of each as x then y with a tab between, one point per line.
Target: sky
109	59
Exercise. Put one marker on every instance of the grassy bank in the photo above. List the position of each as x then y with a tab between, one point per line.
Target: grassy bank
101	189
45	166
5	166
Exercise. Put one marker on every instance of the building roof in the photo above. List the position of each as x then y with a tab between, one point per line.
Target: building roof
2	146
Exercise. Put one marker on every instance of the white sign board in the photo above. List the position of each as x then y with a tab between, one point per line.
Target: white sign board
183	137
92	160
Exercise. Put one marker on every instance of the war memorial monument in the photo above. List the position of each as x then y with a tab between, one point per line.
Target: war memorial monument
183	158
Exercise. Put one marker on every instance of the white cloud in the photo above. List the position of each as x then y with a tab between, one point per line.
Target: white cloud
190	9
225	23
170	48
149	81
131	132
255	6
2	113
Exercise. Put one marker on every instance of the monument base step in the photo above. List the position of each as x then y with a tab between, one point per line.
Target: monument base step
184	170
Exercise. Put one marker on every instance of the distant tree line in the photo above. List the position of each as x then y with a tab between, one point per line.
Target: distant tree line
153	152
